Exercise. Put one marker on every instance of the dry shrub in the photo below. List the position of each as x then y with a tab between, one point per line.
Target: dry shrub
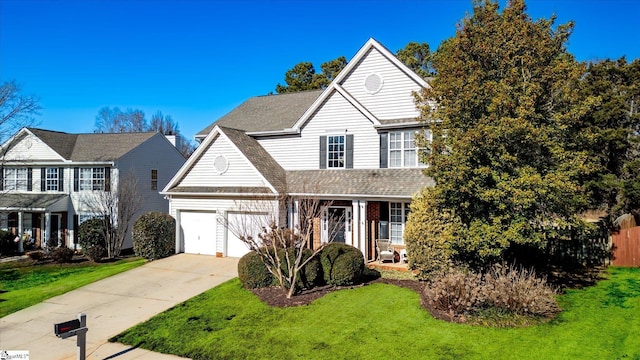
504	289
36	255
519	291
62	255
455	292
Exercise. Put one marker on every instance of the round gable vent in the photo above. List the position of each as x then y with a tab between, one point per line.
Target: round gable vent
373	83
220	164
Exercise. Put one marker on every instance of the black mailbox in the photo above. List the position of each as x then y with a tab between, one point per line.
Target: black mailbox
66	326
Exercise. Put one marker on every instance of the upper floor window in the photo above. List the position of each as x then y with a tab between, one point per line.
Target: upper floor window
91	178
154	179
336	152
52	179
17	179
402	149
398	149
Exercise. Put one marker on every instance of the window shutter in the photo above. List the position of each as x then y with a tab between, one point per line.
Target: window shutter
29	179
75	228
43	179
76	178
323	152
384	150
60	179
349	147
1	178
107	179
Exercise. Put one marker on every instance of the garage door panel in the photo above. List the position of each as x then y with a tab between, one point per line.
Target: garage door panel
199	231
235	246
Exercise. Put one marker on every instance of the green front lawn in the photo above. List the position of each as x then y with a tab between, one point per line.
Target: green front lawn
24	283
384	321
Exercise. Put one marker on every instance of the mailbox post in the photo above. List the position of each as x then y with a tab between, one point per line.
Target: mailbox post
77	328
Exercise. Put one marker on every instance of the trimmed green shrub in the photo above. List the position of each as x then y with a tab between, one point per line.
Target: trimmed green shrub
252	272
62	255
342	264
310	275
91	239
154	235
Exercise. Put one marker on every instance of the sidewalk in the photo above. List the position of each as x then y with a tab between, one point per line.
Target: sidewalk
113	305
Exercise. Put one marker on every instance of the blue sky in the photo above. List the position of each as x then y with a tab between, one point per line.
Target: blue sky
197	59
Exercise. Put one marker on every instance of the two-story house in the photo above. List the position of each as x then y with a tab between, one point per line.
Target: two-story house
52	181
351	144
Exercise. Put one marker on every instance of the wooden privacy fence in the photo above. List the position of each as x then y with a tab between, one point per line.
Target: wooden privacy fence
626	247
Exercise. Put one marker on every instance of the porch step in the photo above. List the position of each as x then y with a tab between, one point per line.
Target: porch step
399	266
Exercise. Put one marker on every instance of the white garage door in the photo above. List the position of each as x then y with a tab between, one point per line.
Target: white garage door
199	232
235	246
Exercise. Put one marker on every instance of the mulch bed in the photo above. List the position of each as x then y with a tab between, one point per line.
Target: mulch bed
274	296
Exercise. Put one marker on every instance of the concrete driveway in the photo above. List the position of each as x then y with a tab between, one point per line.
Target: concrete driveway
113	305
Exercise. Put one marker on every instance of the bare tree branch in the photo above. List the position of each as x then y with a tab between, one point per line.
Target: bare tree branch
16	110
262	231
116	208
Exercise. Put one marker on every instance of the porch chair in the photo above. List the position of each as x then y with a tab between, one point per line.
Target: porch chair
385	250
403	256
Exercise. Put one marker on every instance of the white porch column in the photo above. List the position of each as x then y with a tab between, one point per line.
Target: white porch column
47	230
360	225
20	231
223	218
363	227
179	234
355	224
295	216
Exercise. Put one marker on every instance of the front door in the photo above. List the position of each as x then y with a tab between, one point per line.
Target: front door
54	234
338	225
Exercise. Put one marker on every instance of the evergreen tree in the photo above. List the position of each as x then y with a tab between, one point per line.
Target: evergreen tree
501	110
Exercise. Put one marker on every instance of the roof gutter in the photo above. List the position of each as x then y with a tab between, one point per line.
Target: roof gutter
351	196
215	195
56	163
290	131
399	125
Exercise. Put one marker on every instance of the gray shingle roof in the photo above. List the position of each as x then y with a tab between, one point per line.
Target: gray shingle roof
267	113
259	157
60	142
221	190
370	182
29	201
92	147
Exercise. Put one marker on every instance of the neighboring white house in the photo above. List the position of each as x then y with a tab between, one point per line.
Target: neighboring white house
351	143
51	180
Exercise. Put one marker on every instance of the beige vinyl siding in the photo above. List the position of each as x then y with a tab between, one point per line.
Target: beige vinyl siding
394	100
335	116
239	173
31	148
